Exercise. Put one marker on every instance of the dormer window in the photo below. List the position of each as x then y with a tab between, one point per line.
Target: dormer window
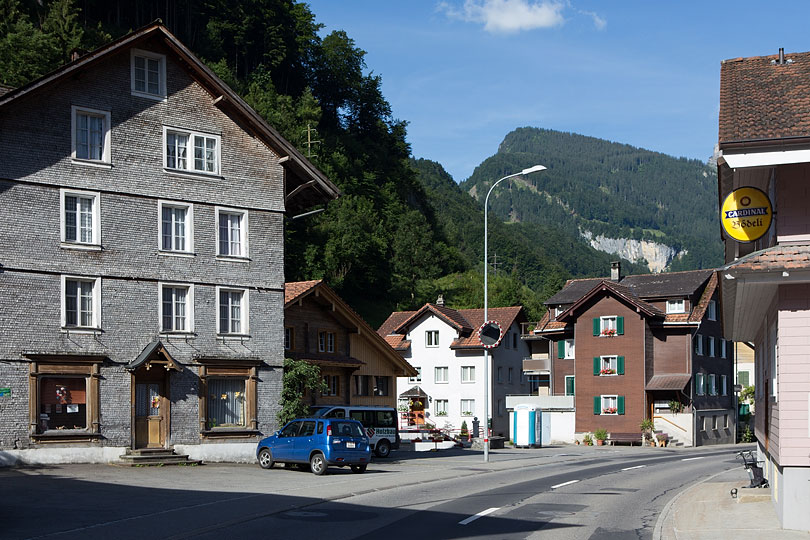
148	72
676	306
558	310
711	310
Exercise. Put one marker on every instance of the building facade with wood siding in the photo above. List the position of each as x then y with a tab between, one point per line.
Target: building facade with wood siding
358	366
627	346
764	140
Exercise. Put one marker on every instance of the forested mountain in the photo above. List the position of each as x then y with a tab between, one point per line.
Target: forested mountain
403	231
607	189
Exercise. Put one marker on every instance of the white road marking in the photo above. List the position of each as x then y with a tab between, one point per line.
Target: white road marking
565	484
478	515
691	458
631	468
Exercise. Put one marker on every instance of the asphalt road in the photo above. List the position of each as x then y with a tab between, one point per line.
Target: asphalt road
566	493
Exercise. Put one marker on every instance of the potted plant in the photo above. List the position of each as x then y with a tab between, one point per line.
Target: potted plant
587	440
675	406
607	371
600	435
647	426
465	433
662	439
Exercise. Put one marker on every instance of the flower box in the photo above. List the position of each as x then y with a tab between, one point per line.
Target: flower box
609	410
608	372
610	332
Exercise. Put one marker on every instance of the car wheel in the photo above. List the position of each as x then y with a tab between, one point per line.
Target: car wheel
383	448
317	464
266	459
359	469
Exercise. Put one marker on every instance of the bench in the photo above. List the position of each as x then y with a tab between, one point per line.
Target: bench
631	438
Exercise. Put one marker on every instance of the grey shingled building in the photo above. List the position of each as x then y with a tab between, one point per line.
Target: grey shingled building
142	265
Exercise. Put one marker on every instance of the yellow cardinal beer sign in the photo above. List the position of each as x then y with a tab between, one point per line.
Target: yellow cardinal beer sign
746	214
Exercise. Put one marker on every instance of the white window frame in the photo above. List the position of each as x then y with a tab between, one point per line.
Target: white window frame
609	361
676	305
418	377
565	387
700	384
467	374
95	324
558	310
189	307
95	244
243	233
445	370
569	349
189	228
607	403
190	167
106	156
161	58
442	407
608	322
711	310
467	407
431	338
244	315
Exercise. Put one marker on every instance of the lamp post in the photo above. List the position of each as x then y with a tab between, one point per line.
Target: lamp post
536	168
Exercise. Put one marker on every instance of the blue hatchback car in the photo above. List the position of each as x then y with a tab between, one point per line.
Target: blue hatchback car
321	442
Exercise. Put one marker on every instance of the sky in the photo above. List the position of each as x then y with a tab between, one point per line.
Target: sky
464	73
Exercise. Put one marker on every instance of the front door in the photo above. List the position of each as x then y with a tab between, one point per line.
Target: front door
150	416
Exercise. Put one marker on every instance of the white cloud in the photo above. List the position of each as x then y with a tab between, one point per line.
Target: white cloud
508	16
599	22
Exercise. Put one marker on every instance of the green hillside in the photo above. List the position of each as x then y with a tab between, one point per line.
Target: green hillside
608	189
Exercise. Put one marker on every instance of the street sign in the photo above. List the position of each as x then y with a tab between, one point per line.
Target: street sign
490	334
738	388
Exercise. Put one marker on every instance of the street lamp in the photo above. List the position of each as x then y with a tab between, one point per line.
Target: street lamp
536	168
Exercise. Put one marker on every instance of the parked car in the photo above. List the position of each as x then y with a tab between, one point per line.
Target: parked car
380	423
320	442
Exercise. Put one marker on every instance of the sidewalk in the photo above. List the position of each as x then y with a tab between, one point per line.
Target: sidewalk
707	511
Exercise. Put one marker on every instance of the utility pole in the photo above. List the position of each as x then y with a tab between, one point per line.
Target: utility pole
310	130
495	263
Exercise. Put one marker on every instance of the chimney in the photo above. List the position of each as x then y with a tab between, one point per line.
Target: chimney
616	271
440	300
781	56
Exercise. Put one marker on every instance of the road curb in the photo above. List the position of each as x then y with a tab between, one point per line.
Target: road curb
662	517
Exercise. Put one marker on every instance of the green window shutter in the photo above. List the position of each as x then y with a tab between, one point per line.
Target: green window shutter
597	365
569	386
597	404
620	325
620	404
597	326
561	349
620	365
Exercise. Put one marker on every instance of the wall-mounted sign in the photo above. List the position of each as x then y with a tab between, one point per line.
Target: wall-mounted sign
5	392
746	214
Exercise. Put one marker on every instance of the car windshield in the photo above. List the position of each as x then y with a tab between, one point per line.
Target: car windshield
347	429
317	412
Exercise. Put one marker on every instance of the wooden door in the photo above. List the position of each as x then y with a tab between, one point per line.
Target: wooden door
149	415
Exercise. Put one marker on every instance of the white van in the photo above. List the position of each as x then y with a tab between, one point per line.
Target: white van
380	423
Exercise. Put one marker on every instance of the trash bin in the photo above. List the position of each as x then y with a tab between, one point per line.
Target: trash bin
526	424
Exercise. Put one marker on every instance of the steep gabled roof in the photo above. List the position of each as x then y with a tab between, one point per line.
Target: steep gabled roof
305	185
448	315
761	99
619	291
666	284
504	316
464	321
572	291
296	291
